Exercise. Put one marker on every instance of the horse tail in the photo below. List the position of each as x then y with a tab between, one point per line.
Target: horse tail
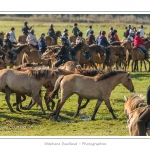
56	87
148	95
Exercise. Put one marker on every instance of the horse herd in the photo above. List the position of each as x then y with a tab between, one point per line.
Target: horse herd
37	71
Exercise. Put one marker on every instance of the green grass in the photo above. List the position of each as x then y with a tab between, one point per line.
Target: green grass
32	123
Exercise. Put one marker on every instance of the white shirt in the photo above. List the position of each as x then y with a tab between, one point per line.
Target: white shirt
31	39
12	36
88	31
141	32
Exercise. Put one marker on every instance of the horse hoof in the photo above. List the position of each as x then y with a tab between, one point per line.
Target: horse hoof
93	118
115	118
76	116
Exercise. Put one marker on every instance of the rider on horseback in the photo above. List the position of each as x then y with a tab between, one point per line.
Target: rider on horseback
63	54
101	40
89	30
75	30
25	28
80	39
31	39
91	38
138	42
65	32
12	36
51	32
41	43
11	51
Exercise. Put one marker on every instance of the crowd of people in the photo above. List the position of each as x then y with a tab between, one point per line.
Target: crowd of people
64	55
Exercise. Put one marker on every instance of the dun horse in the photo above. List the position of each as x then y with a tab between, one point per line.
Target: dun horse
135	109
12	80
98	87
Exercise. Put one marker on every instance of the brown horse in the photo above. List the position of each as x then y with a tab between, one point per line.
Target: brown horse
134	107
72	38
22	39
98	87
36	77
35	57
50	41
136	56
2	63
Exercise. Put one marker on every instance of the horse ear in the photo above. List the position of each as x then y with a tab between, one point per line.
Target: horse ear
125	98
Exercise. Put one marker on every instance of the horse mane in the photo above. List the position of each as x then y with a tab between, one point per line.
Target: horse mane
107	75
91	73
136	100
78	46
27	65
97	48
39	72
57	32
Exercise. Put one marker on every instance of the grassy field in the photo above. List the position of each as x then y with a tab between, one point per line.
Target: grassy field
32	123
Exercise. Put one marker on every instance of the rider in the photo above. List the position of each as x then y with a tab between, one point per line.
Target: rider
51	32
101	40
63	54
75	30
142	32
116	36
65	32
91	38
112	38
89	30
71	49
12	36
31	39
131	35
25	28
41	43
138	42
110	31
9	43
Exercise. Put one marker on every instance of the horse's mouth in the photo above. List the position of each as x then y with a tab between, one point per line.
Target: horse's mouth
132	90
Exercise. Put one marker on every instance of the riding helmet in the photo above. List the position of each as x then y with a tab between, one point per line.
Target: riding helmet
32	31
25	22
7	34
80	33
43	34
138	32
12	28
65	30
90	26
103	32
51	25
75	24
115	31
91	32
111	28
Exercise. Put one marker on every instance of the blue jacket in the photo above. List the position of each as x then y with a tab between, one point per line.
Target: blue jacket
101	40
42	45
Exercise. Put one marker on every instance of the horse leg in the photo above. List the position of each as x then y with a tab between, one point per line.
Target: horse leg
107	102
18	101
141	65
145	66
99	101
7	97
132	65
79	104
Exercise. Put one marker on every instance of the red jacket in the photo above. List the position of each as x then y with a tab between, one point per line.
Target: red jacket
138	41
116	37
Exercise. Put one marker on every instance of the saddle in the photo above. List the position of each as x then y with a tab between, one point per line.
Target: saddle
141	50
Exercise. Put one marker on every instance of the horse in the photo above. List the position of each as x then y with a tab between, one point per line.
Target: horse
2	63
35	57
136	56
22	39
10	80
50	41
72	38
23	49
135	108
98	87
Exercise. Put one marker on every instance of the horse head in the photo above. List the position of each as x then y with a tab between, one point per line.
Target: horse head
127	82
